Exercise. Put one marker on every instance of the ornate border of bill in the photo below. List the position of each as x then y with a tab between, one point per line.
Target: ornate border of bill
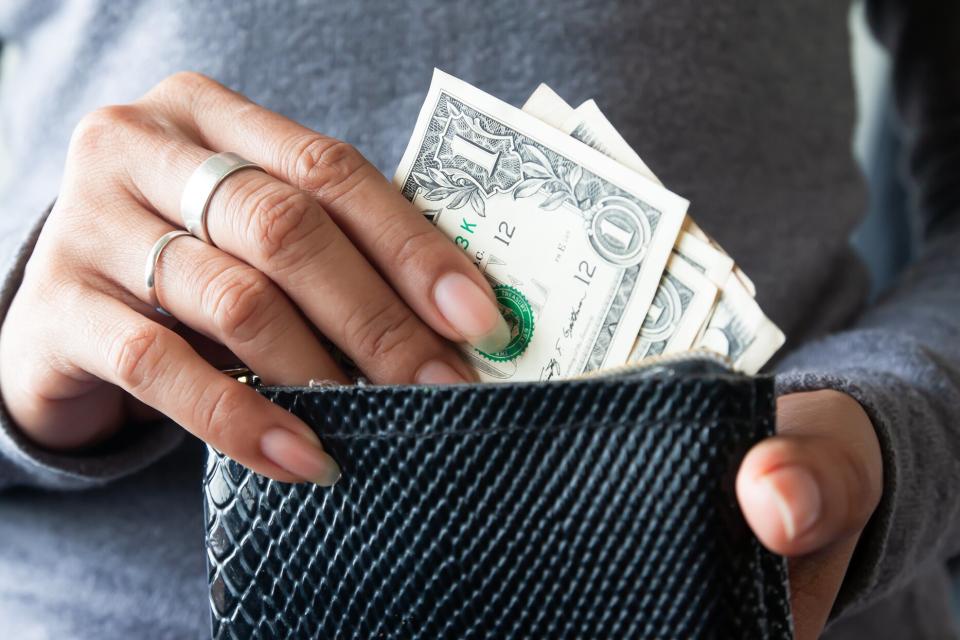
595	262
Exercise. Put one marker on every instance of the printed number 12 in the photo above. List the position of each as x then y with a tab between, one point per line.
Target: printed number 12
585	272
507	232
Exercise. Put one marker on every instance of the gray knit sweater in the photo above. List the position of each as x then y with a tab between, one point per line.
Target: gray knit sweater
745	108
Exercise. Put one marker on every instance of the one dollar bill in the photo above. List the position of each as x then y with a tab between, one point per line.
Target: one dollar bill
688	288
733	323
574	243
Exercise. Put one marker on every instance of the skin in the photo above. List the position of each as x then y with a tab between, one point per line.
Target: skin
320	243
809	492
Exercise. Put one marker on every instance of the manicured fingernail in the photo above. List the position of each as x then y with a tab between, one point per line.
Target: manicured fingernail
308	433
299	456
471	312
438	372
796	495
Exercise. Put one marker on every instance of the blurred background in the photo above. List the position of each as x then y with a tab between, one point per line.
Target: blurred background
888	238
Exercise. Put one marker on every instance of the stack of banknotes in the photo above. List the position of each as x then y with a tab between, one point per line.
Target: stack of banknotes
595	264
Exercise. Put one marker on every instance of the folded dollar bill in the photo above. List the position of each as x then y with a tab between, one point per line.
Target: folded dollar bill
738	329
593	261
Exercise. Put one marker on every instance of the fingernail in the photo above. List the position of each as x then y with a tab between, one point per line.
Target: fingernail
300	456
796	495
308	433
438	372
471	312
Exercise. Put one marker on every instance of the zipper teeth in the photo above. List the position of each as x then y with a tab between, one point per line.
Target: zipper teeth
249	378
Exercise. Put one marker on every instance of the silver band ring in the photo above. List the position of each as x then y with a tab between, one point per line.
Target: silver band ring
202	184
153	258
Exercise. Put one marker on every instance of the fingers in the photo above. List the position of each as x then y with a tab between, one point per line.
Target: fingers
816	483
809	492
224	299
430	273
286	236
160	369
283	233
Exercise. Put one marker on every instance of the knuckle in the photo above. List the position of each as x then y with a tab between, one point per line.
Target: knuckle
44	295
56	248
135	356
374	336
63	214
77	239
73	242
53	275
236	303
282	222
415	251
327	166
186	88
186	83
99	129
216	415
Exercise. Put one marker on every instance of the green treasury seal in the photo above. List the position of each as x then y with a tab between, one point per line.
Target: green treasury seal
519	316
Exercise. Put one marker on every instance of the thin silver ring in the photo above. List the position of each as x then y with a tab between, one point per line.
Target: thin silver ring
202	184
153	258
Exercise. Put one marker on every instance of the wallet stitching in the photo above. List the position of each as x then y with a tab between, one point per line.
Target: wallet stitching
610	426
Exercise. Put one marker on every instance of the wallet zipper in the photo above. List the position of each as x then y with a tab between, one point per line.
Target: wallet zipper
245	376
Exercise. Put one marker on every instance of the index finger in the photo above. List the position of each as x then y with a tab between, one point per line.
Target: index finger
160	369
430	273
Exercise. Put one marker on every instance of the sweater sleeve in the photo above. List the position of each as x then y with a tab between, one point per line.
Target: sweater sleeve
901	360
24	464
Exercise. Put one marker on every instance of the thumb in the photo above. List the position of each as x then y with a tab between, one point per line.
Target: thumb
816	482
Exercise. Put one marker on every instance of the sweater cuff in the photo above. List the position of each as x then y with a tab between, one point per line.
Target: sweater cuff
24	463
863	578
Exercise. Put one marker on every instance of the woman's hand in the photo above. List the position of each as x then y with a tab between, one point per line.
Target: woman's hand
808	493
320	243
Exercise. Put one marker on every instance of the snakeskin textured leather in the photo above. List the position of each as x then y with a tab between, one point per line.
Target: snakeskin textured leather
599	508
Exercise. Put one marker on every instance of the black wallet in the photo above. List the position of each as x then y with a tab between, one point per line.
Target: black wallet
592	508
